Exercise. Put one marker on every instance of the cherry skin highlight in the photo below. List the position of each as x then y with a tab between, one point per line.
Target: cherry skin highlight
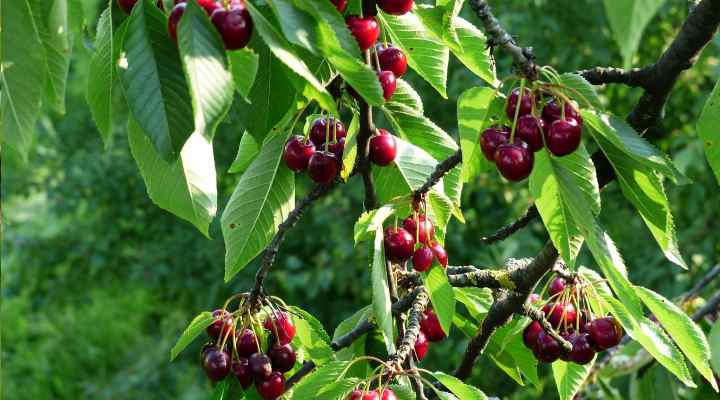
422	259
491	138
526	103
421	346
383	148
281	326
260	366
391	59
440	254
531	333
174	19
365	30
556	286
605	332
297	153
514	161
246	343
340	5
221	325
547	349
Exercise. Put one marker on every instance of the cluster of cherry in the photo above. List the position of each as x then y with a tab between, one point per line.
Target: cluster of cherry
377	394
559	127
587	335
416	240
238	351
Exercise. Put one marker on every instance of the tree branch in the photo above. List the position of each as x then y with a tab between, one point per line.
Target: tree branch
636	77
508	230
367	128
440	170
537	315
407	343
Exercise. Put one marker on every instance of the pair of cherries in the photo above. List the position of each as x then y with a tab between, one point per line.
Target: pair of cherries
377	394
320	153
233	23
415	240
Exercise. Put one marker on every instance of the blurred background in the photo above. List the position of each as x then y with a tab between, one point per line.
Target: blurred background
97	282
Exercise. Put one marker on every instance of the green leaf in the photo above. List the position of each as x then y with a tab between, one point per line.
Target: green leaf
686	334
476	300
370	221
439	208
425	54
569	377
409	171
350	151
101	76
351	322
315	325
473	112
338	390
296	25
508	352
52	21
715	346
407	96
381	303
441	295
628	19
22	73
467	327
580	90
262	199
458	387
247	151
707	130
312	342
284	52
185	187
153	81
206	69
403	392
311	385
244	67
222	389
193	330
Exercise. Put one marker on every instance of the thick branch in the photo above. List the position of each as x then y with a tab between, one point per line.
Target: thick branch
407	343
367	127
636	77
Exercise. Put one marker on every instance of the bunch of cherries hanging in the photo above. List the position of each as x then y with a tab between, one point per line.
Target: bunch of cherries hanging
568	311
235	348
415	240
538	118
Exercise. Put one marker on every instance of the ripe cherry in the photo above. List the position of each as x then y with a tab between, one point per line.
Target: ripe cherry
552	112
421	346
391	59
529	128
246	343
272	387
234	24
582	351
319	130
534	298
531	333
440	254
557	313
281	326
556	286
491	138
365	30
209	5
383	148
282	357
340	5
388	83
514	161
426	231
547	349
526	103
356	394
422	259
563	136
395	7
430	326
297	153
388	394
322	167
260	366
221	325
174	19
398	244
216	364
337	148
241	369
605	332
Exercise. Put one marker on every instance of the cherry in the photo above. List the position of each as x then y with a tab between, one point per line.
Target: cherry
388	83
365	30
560	312
565	355
605	332
440	254
395	7
529	128
422	259
514	161
534	298
356	394
491	138
547	349
216	364
246	343
582	351
272	387
531	333
398	244
391	59
241	369
526	103
552	112
430	326
421	346
563	136
210	5
388	394
337	148
281	325
282	357
174	19
383	148
297	153
556	286
221	325
234	24
427	229
322	167
260	366
340	5
319	130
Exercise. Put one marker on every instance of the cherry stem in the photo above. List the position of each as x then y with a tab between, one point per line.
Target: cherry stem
517	109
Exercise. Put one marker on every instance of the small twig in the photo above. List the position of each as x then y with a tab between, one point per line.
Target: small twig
636	77
407	343
508	230
710	307
537	315
440	170
709	277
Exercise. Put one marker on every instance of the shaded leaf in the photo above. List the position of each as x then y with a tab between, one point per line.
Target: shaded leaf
193	330
244	68
569	377
101	76
628	19
381	303
707	130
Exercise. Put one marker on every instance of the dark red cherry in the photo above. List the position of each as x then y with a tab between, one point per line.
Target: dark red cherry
529	128
547	349
365	30
398	244
281	326
337	148
556	286
234	24
426	231
440	254
371	395
221	325
297	153
272	387
422	259
356	394
319	130
552	112
246	343
388	83
388	394
421	346
565	355
241	369
531	333
526	103
395	7
557	313
322	167
514	161
563	136
282	357
605	332
260	366
391	59
211	5
383	148
430	326
582	350
340	5
174	19
216	364
491	138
